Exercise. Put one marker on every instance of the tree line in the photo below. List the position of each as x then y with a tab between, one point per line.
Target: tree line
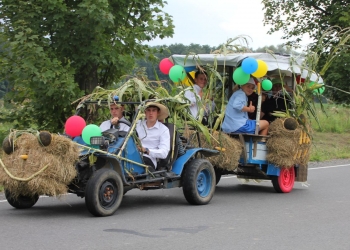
53	52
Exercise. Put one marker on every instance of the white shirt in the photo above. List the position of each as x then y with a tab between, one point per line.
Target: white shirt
156	139
107	125
193	97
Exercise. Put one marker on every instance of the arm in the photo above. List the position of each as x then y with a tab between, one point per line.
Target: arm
190	95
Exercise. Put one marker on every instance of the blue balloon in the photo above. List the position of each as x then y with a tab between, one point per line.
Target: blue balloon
249	65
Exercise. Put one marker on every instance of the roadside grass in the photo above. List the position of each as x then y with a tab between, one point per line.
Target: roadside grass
329	146
336	119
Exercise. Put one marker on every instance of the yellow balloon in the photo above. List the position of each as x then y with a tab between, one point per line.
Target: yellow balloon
187	82
262	69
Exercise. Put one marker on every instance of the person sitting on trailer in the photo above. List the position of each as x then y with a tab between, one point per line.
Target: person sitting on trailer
195	97
254	99
116	111
154	135
236	114
276	102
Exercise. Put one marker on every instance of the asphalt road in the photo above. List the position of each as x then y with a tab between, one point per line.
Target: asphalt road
240	216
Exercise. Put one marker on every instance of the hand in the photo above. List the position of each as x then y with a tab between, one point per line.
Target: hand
115	120
251	108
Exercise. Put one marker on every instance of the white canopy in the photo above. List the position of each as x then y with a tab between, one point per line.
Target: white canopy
276	64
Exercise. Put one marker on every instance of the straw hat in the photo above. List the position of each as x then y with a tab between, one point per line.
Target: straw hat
163	111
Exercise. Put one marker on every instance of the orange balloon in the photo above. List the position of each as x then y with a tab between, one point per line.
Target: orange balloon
262	69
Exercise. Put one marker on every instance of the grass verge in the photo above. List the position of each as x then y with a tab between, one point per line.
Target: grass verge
328	146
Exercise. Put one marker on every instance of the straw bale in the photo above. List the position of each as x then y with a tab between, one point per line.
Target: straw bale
229	156
60	156
283	144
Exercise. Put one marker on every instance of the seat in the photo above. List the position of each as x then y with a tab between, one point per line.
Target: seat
173	153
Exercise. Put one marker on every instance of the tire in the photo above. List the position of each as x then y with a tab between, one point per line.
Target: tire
285	182
22	201
218	174
198	182
104	192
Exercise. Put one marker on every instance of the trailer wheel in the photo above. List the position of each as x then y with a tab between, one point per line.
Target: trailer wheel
285	182
199	182
104	192
21	201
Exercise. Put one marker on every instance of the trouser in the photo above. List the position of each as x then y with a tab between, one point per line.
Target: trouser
149	163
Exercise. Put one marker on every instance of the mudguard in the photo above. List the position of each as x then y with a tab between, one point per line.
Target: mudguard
183	159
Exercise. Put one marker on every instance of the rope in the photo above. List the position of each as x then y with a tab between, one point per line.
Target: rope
22	179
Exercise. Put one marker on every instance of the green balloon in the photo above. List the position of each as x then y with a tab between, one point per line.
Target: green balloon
319	91
240	77
177	73
266	84
89	131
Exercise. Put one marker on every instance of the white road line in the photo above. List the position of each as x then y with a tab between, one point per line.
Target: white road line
335	166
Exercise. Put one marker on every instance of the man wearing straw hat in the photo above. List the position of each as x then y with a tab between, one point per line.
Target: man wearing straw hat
154	135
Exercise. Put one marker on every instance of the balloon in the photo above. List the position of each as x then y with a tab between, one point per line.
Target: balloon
74	125
266	84
249	65
262	69
310	84
187	81
240	77
89	131
165	65
319	91
177	73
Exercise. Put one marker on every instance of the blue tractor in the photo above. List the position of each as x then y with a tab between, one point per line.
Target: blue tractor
118	167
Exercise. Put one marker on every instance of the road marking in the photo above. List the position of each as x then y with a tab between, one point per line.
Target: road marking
335	166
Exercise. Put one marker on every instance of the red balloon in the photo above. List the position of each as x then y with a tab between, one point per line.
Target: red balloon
165	65
74	125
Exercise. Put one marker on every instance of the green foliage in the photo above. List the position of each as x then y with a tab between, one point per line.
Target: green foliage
318	20
298	17
334	119
50	50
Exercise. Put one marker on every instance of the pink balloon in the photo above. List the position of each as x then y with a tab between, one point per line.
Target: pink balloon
165	65
74	125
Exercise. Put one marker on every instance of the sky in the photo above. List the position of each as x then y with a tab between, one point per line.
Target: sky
212	22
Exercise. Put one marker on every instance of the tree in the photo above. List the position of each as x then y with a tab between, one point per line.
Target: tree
298	17
279	49
55	48
316	18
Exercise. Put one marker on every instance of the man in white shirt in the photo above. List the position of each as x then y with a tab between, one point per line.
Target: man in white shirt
154	135
117	115
195	97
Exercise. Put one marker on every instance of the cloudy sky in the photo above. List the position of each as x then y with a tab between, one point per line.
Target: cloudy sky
212	22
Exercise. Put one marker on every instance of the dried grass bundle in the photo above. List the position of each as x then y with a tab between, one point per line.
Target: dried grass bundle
60	156
230	152
285	147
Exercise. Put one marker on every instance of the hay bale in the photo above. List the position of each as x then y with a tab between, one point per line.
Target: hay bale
287	147
60	156
230	153
283	144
